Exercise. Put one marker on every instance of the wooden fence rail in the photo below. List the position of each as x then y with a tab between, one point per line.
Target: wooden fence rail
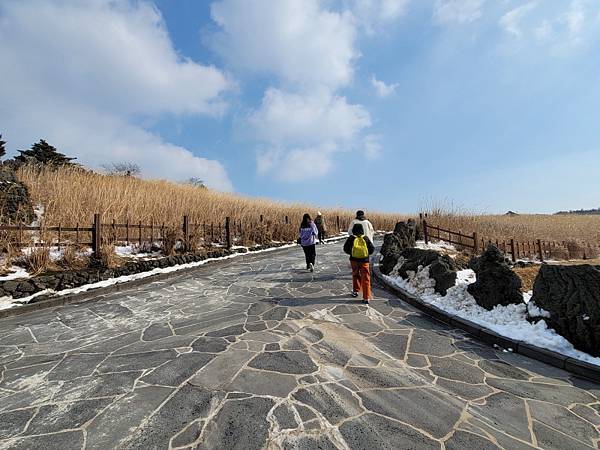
535	248
227	233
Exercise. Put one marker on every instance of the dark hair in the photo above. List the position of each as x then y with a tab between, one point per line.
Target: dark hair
358	229
306	220
360	214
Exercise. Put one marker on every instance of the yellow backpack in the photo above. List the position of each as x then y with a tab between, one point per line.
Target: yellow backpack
359	248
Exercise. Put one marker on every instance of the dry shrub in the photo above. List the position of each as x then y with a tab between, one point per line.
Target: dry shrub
73	258
527	276
591	252
559	252
108	258
170	237
37	260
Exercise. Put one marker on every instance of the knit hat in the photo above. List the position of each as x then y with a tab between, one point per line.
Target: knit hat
360	214
318	213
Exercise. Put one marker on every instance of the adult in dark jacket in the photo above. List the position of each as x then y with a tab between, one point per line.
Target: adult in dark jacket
359	247
321	226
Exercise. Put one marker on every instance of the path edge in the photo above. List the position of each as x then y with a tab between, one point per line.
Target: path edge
99	292
575	366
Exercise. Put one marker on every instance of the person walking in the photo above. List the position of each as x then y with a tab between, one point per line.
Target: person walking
307	239
359	247
369	231
321	226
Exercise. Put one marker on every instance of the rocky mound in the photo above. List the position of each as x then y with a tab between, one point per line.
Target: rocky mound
441	267
403	236
571	294
496	283
15	204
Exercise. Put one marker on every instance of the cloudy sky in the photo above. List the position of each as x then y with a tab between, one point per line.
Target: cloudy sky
379	104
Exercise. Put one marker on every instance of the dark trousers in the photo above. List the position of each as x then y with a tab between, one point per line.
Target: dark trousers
310	253
322	235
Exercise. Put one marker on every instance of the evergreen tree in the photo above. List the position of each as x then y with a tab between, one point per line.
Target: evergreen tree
43	153
2	149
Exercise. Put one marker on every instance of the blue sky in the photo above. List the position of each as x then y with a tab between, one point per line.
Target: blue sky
379	104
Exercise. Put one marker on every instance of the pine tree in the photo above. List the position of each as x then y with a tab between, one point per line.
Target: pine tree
43	153
2	149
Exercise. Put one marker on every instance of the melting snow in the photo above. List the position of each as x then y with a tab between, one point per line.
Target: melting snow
509	321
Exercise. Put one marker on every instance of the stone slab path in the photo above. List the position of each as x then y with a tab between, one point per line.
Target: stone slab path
262	354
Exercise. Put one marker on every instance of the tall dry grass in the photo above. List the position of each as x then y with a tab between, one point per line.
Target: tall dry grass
522	227
71	196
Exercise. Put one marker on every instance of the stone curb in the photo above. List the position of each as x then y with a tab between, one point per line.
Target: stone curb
580	368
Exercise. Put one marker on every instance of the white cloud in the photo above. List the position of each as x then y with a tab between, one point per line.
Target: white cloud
78	73
372	146
574	19
383	90
457	11
291	118
374	13
311	52
318	123
561	27
297	40
511	21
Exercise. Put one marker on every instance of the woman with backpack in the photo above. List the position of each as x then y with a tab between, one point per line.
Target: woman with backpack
307	239
359	247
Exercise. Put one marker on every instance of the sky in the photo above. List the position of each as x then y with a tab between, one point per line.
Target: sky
389	105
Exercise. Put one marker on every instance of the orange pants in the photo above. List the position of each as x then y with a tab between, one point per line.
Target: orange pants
361	278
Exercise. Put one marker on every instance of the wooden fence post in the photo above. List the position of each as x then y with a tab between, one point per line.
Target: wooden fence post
539	244
186	232
286	220
425	232
512	250
261	218
475	243
338	224
227	233
96	235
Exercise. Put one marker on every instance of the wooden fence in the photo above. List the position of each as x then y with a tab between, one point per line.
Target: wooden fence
192	235
517	249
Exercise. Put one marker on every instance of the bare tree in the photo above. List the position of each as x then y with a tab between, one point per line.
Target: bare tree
125	169
196	182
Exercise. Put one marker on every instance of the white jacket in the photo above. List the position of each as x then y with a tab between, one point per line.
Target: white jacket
367	226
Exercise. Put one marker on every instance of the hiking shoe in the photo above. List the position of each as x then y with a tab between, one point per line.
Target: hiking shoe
311	267
365	302
354	294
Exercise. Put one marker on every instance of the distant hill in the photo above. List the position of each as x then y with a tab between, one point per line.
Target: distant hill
582	212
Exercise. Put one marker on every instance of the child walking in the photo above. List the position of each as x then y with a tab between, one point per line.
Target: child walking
359	247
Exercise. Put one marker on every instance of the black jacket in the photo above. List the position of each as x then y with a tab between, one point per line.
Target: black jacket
348	248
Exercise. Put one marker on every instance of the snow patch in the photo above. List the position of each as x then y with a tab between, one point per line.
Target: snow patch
509	321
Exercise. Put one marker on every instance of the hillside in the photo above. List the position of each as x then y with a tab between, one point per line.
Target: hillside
581	212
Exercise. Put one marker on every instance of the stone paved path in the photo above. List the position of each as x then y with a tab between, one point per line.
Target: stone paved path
264	355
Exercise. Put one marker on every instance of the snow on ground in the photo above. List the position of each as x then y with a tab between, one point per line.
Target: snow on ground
15	272
437	246
9	302
509	321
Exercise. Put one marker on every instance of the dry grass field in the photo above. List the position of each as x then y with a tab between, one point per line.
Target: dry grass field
71	196
522	227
